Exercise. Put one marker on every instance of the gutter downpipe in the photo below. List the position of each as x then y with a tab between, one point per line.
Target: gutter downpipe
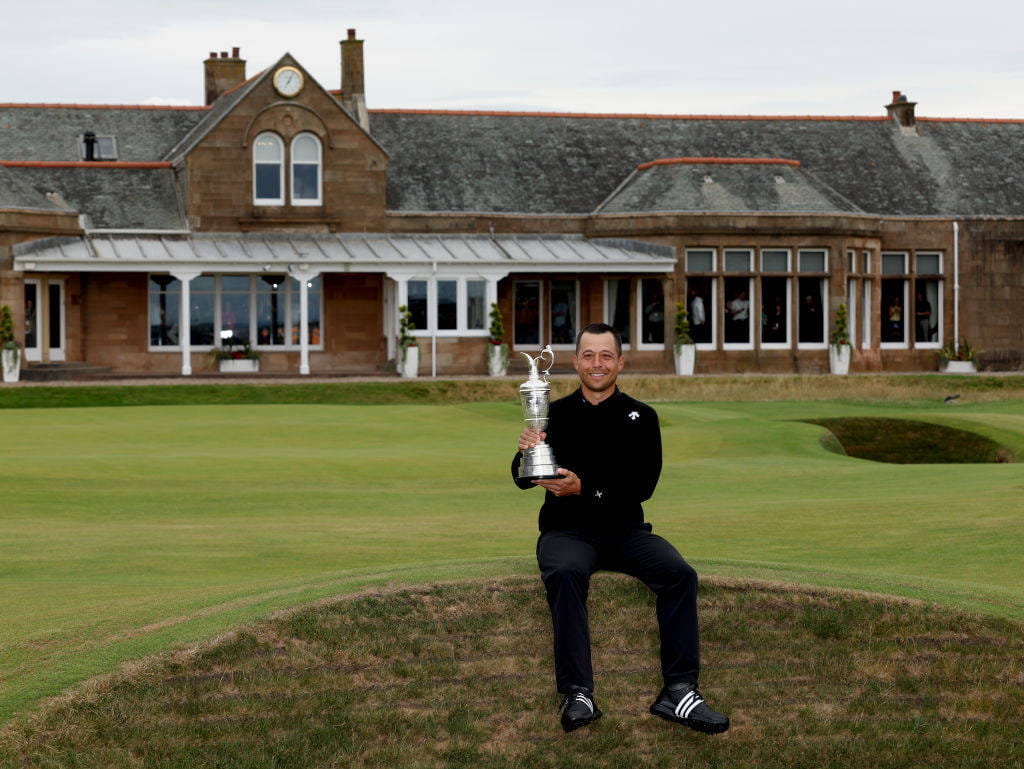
433	332
956	286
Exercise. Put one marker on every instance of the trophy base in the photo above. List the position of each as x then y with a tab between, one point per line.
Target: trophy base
538	464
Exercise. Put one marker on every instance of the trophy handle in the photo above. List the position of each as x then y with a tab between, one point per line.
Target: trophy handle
551	354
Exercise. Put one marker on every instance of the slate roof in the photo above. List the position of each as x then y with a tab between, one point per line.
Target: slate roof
16	193
443	161
51	133
726	185
113	198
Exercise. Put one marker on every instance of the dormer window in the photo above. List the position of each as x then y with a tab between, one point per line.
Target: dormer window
268	170
306	176
94	147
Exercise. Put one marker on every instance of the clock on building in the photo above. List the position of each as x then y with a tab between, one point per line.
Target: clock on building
288	81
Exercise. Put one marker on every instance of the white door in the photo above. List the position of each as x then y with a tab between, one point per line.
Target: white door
54	332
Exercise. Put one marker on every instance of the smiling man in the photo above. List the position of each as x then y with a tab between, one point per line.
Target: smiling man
608	447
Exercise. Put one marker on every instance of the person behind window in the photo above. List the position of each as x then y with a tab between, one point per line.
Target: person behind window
894	317
923	314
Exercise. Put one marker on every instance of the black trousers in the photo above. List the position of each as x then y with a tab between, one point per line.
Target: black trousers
567	559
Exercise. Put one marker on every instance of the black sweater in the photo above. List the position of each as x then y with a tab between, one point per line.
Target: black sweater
614	448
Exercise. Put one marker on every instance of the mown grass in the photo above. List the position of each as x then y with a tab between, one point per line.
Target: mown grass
861	388
910	442
459	675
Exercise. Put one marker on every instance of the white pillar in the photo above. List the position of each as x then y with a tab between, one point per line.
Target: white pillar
304	278
185	319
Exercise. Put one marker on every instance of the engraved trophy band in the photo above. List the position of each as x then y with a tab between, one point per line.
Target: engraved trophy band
538	462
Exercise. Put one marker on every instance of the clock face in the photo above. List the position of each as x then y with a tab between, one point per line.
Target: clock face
288	81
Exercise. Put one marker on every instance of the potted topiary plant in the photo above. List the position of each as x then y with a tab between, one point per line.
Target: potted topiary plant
685	349
958	358
839	348
497	350
9	345
408	349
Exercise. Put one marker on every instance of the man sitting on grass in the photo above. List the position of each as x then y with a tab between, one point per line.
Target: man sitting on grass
608	447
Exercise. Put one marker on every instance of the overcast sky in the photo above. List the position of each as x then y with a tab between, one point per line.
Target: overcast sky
785	57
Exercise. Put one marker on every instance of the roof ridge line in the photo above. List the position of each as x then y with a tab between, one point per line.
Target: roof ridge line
636	116
85	164
719	161
58	105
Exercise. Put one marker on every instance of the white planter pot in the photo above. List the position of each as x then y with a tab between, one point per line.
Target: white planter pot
960	367
409	365
839	358
497	359
12	365
686	359
239	366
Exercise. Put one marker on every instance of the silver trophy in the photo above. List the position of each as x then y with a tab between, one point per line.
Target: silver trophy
538	462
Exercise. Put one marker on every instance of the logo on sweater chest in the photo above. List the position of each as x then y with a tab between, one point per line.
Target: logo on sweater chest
633	415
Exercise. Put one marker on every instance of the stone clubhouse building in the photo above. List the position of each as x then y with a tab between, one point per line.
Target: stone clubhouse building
286	215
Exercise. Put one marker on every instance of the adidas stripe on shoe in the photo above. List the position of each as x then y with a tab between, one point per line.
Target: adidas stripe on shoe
686	706
578	709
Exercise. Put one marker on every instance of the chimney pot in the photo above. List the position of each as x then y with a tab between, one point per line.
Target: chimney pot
223	54
213	54
222	73
351	34
234	52
895	96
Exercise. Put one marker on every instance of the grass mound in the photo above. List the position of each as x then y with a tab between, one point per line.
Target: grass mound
459	675
909	442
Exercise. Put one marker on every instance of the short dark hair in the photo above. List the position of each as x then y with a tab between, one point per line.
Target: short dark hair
600	328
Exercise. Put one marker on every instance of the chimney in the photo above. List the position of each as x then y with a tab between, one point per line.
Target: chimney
353	90
223	73
901	110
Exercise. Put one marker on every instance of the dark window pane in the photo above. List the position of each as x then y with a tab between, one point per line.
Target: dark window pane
894	264
201	330
31	315
700	305
652	327
810	317
476	301
418	303
268	181
164	312
234	318
619	317
527	313
447	305
304	181
774	311
563	311
894	314
737	310
926	311
270	310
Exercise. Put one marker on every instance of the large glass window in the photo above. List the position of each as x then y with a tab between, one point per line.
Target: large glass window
271	309
563	312
268	169
447	305
418	304
164	310
737	311
652	314
811	315
927	315
202	313
476	304
306	170
617	306
526	314
894	311
235	302
774	311
701	307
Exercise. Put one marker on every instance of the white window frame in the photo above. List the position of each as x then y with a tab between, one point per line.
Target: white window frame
867	258
291	295
865	337
906	263
540	313
752	310
711	311
606	312
800	261
638	315
769	273
714	259
318	201
905	344
35	354
929	275
750	260
823	288
280	170
851	311
575	320
936	310
461	305
789	311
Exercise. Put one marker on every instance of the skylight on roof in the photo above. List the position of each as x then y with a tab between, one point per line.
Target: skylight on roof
102	147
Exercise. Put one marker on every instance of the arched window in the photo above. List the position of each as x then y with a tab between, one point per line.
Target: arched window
306	177
268	170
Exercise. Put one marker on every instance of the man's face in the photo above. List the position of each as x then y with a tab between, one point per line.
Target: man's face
597	362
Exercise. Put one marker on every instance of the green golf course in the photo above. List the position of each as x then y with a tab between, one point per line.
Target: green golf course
129	531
